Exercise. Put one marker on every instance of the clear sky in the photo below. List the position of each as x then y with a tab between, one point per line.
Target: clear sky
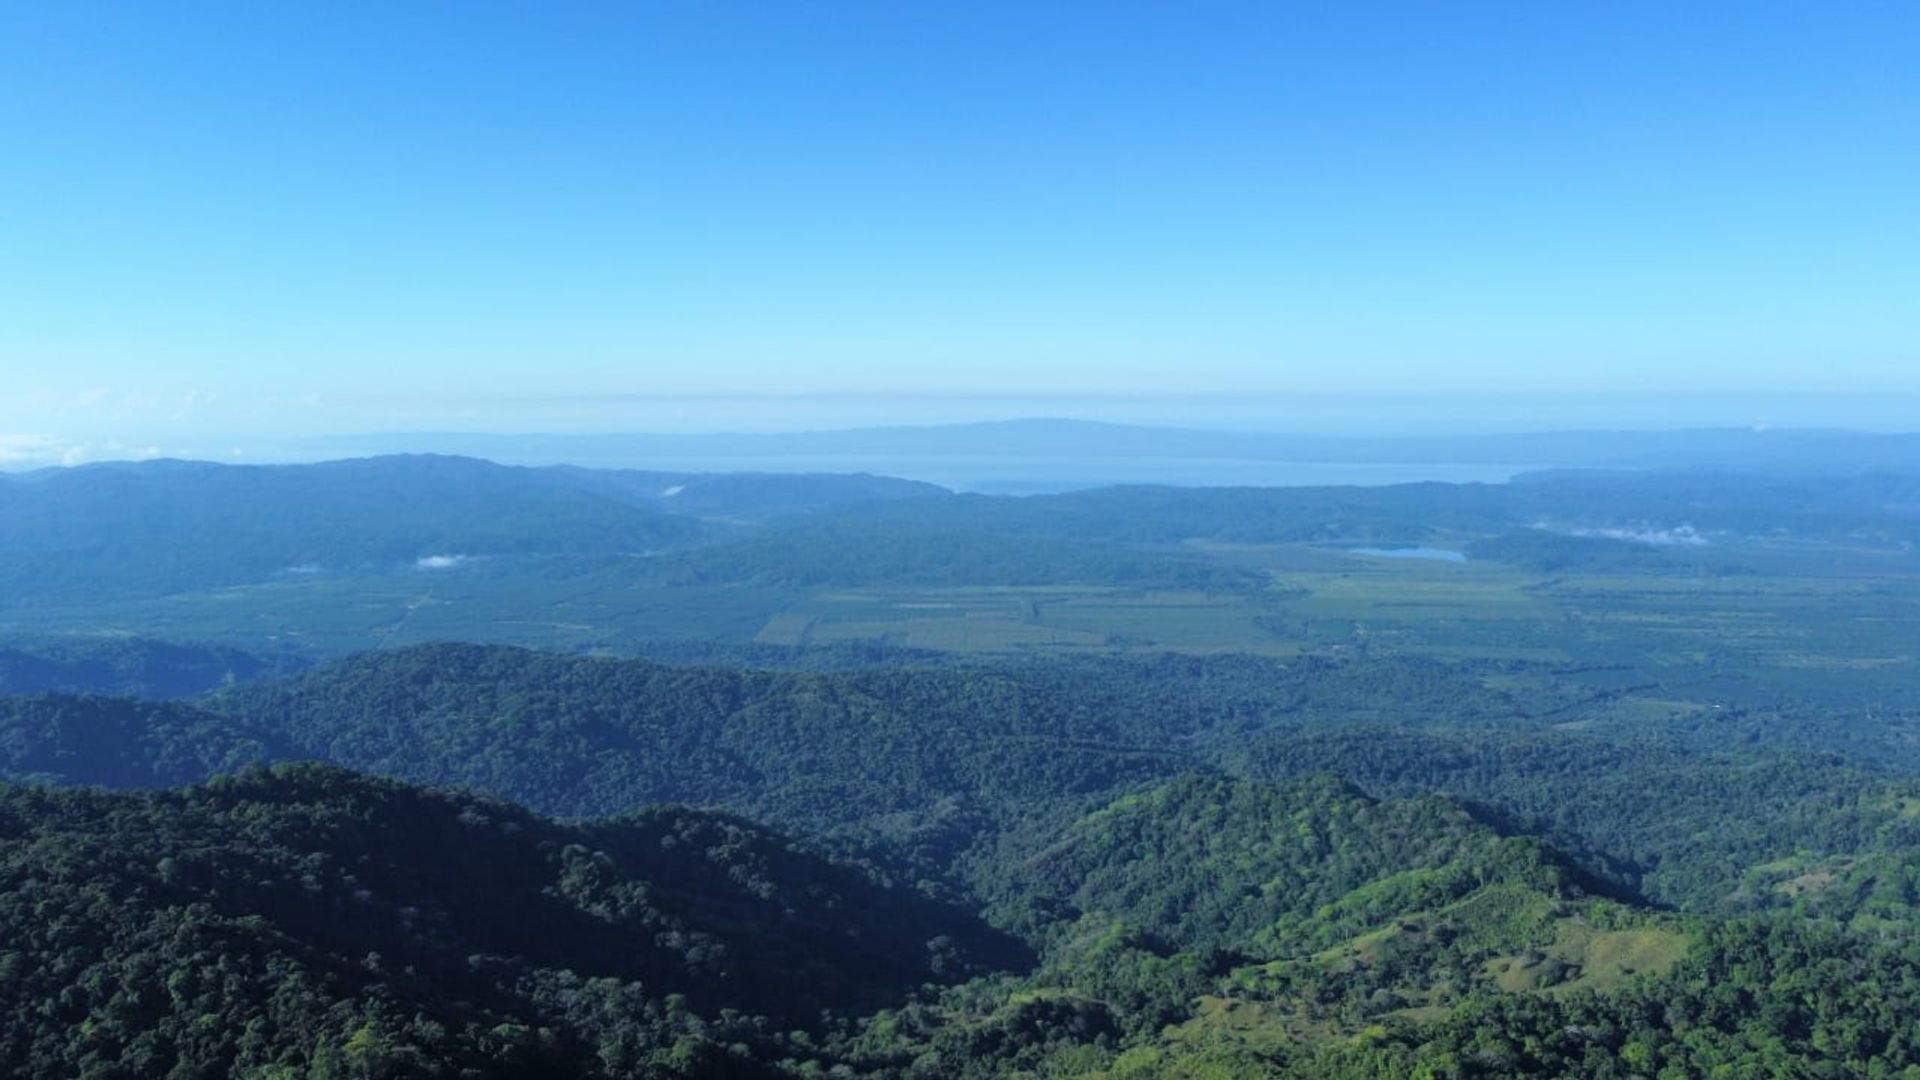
254	219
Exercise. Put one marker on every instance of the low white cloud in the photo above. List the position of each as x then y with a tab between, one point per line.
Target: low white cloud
1679	536
439	562
28	451
24	450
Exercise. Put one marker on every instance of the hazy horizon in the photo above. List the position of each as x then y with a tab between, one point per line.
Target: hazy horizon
192	434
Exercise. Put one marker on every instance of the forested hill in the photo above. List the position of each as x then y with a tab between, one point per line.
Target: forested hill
749	497
122	530
586	736
923	764
131	667
580	736
307	921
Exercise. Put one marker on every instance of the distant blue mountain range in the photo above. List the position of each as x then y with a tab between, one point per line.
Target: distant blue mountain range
1797	451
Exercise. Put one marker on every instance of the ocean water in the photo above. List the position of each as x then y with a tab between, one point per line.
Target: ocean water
1045	476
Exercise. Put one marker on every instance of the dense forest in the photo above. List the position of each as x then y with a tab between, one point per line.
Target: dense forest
920	764
305	921
312	920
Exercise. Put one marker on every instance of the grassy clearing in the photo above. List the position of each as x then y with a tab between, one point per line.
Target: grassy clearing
1584	957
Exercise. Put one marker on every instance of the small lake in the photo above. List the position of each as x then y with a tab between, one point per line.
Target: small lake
1435	554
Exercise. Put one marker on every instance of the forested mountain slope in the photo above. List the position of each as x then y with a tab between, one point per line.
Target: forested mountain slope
317	922
308	921
1213	862
1206	914
312	920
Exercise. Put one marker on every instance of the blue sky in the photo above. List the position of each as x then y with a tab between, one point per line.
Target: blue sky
251	219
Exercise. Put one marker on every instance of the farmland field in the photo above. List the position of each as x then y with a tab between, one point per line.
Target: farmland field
1701	639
